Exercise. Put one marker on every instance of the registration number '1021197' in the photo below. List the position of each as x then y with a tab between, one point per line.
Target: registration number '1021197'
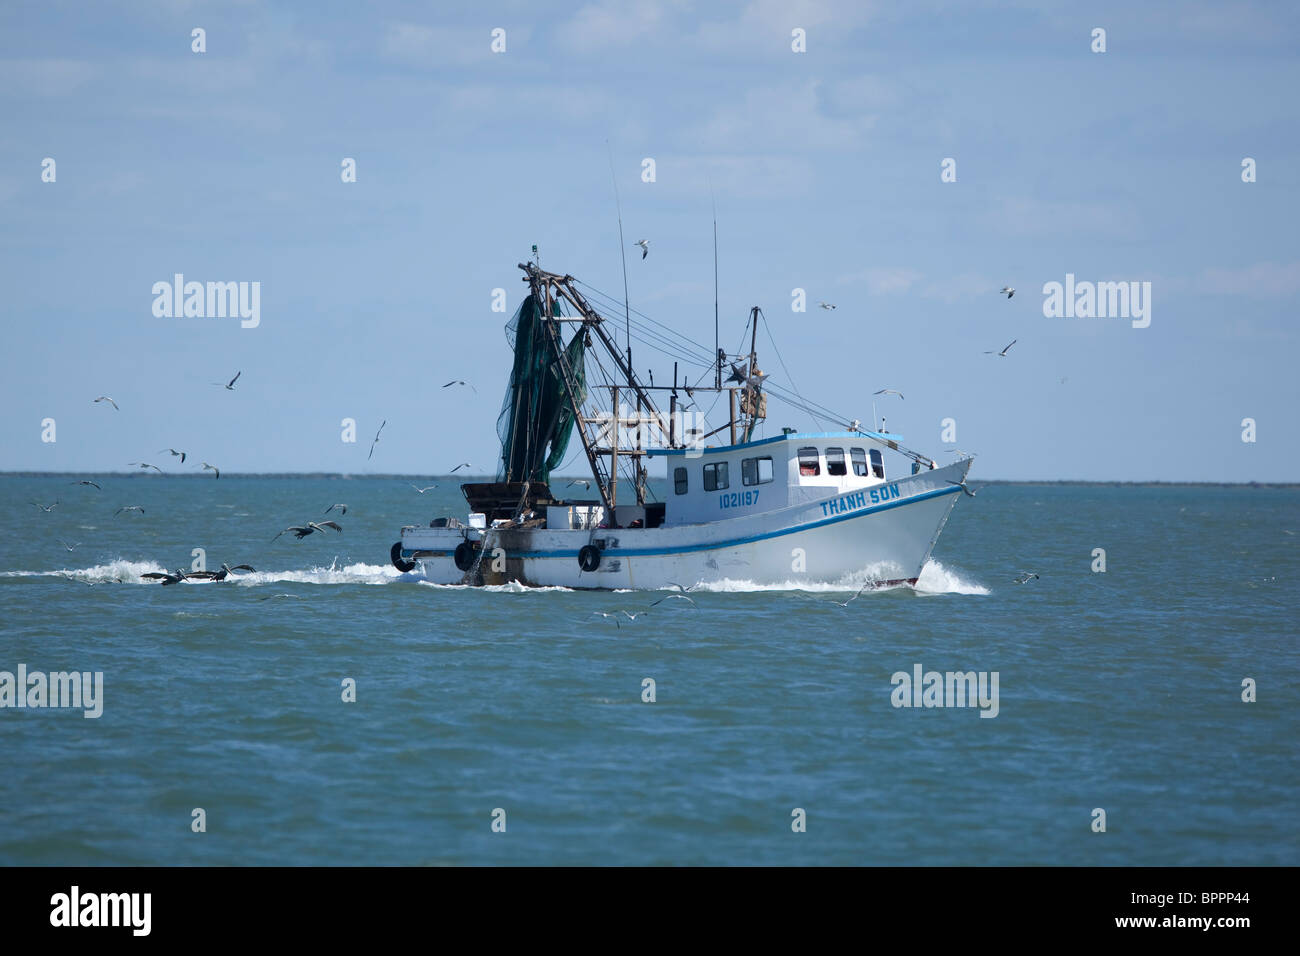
738	499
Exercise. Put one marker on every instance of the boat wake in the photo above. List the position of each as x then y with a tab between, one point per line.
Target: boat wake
934	579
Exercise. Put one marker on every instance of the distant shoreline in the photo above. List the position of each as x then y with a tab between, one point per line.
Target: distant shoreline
424	476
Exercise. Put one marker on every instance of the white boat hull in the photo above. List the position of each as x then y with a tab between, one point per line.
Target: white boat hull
881	535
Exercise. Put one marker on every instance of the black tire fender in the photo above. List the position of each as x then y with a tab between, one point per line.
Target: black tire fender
589	557
464	556
395	555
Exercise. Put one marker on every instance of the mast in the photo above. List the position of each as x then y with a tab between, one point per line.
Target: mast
550	287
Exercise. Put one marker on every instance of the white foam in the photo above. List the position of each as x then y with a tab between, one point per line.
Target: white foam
121	571
934	579
512	587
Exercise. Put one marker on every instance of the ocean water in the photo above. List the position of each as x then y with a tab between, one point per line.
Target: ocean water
1119	690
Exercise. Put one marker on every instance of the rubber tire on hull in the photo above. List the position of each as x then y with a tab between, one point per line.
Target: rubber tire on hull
395	555
464	556
589	557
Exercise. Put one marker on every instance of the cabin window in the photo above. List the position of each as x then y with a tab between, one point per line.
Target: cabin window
808	462
859	456
877	463
715	476
835	462
756	471
679	481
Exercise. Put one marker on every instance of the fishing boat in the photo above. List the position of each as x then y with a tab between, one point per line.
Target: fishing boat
795	507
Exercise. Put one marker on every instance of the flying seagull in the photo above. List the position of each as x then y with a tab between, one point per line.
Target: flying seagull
458	382
174	453
145	464
301	531
45	509
128	508
376	441
463	464
207	467
423	490
889	391
1025	576
83	481
607	616
645	247
962	485
68	547
230	386
852	599
342	509
585	482
632	617
1008	291
674	597
1003	353
827	305
105	398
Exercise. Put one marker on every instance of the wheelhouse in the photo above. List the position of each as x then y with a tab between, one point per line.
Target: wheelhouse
710	484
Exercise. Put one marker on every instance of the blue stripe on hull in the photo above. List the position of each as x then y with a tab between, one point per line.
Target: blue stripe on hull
716	545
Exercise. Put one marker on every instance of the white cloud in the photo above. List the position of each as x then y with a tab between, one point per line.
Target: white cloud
892	281
613	23
1265	280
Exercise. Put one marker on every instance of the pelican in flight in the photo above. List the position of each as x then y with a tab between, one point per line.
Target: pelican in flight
301	531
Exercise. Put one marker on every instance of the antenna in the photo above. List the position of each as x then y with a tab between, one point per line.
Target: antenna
627	312
717	375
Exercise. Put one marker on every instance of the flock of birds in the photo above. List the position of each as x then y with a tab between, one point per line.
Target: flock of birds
679	594
312	527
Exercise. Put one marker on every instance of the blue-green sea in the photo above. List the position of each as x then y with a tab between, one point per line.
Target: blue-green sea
1119	690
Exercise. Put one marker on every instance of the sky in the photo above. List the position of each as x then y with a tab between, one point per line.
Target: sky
826	167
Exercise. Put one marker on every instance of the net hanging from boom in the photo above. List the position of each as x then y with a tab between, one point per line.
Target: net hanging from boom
536	420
